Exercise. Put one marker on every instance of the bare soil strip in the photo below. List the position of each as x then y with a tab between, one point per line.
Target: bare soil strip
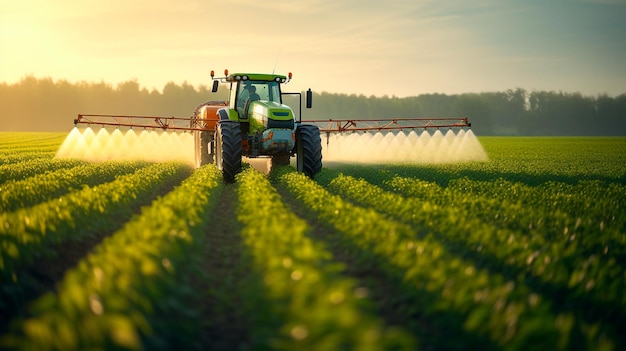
226	271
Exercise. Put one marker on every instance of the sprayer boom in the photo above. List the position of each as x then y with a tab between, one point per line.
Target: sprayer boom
325	126
357	125
146	122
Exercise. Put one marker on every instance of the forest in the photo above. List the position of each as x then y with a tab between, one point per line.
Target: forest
43	104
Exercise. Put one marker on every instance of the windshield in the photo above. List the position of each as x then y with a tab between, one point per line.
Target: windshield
268	91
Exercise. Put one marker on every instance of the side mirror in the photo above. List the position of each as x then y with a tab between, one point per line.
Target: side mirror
309	98
216	84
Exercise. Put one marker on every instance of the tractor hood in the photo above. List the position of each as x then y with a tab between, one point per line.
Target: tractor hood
268	114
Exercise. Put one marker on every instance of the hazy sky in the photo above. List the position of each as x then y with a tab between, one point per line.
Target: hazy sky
371	47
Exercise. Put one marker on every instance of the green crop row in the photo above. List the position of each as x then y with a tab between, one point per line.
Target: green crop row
41	187
27	232
108	301
20	147
510	314
318	307
571	201
12	141
29	168
9	158
542	232
533	161
551	210
28	149
557	263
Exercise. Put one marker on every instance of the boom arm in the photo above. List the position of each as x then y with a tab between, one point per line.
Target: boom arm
147	122
357	125
325	126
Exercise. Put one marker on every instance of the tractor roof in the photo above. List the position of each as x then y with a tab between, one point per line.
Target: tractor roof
256	76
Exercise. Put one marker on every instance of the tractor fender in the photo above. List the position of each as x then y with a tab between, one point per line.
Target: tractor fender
225	114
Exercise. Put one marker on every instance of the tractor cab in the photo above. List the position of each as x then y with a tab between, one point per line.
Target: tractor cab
248	91
256	102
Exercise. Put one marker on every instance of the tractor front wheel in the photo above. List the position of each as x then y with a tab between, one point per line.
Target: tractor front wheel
308	149
228	149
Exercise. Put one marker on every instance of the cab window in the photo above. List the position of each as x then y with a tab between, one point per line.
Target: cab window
268	91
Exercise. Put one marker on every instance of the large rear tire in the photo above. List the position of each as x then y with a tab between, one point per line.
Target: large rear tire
204	152
228	149
308	150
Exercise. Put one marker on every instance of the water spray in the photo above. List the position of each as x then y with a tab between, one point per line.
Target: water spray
105	144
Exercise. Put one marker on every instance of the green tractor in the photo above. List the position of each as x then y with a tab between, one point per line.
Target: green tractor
255	123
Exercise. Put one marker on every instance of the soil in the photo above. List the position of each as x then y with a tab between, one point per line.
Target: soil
226	267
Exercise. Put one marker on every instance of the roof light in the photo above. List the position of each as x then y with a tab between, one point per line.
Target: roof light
226	72
290	75
212	73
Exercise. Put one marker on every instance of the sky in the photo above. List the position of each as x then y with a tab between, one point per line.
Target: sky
371	47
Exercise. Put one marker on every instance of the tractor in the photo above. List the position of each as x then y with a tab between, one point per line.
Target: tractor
254	122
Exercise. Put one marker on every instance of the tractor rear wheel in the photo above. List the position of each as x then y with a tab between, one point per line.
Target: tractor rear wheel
204	152
308	149
228	149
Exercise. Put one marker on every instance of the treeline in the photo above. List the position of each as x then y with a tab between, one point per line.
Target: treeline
34	104
513	112
45	105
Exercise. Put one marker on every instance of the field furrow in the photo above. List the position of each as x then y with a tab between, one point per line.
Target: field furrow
224	281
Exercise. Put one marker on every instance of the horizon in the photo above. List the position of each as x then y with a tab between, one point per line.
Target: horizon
197	87
398	48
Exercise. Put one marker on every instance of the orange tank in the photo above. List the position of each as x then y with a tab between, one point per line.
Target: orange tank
208	113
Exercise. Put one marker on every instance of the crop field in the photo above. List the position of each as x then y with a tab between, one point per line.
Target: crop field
525	251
